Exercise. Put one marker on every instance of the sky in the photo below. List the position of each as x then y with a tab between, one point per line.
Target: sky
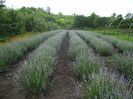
84	7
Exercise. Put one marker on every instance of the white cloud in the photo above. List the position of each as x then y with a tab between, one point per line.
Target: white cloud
86	7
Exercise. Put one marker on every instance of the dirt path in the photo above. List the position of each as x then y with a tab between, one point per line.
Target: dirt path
64	84
9	89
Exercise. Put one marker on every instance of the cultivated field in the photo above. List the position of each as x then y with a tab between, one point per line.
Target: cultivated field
66	64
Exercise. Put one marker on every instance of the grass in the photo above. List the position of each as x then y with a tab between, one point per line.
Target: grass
115	33
14	50
34	75
4	40
102	47
125	37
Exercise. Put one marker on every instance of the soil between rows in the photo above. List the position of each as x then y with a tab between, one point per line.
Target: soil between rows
9	88
64	83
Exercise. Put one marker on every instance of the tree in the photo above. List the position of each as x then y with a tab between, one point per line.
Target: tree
128	20
60	14
2	3
48	9
80	22
129	16
94	20
113	15
74	14
117	21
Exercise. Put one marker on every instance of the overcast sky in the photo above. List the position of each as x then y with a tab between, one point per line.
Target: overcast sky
85	7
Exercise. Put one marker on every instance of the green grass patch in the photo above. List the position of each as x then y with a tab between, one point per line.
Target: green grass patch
115	33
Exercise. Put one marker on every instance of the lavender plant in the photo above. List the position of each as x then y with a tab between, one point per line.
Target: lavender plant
10	52
102	47
34	74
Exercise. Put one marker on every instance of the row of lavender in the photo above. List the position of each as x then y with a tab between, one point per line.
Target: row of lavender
14	50
98	82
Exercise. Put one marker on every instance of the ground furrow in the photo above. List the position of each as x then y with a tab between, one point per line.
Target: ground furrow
63	81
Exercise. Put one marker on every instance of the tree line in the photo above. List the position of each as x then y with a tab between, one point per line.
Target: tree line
30	19
95	21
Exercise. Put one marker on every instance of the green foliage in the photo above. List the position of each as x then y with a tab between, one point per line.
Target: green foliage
2	4
80	22
121	34
11	22
95	21
17	21
92	21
